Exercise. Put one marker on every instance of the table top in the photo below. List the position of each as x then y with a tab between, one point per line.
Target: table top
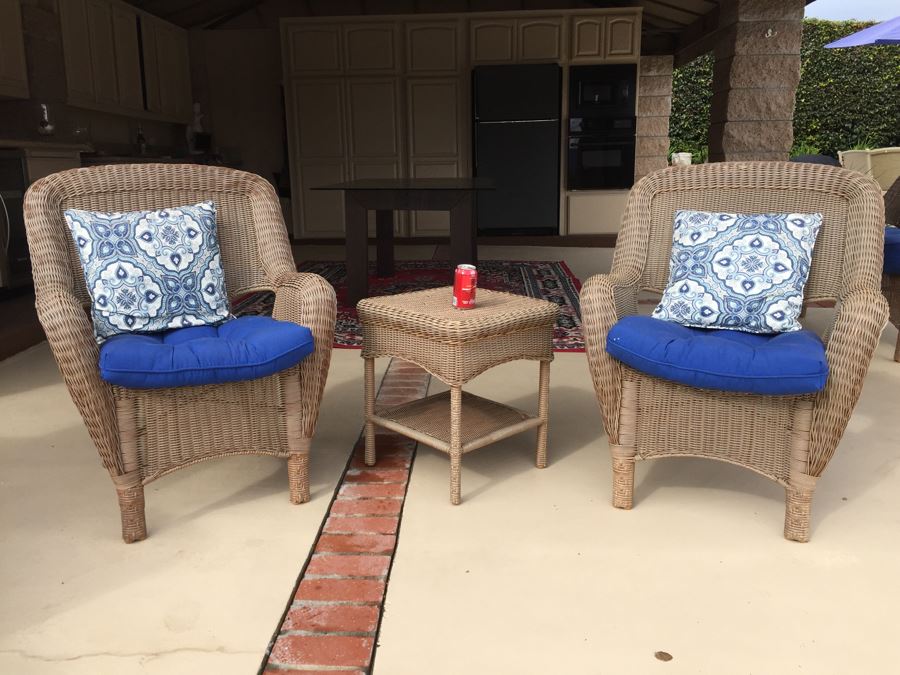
411	184
432	312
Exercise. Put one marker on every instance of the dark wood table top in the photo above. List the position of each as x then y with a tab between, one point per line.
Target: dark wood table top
411	184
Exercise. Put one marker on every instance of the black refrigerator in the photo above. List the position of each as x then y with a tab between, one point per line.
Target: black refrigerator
516	144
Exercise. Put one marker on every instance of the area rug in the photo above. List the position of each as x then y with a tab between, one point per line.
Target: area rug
547	280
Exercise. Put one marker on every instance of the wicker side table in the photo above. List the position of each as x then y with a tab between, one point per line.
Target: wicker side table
455	346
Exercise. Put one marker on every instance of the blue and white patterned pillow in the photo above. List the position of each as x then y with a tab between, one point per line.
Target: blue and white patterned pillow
150	271
739	271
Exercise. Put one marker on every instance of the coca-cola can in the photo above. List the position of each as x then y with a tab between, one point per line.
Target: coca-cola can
464	286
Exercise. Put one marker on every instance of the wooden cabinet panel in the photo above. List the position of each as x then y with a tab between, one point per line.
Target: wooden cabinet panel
588	38
128	60
432	48
76	51
493	40
433	108
318	114
424	223
174	72
314	48
623	34
13	70
596	212
540	39
103	53
371	48
151	66
322	211
373	117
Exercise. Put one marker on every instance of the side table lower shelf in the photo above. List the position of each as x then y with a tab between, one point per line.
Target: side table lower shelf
428	421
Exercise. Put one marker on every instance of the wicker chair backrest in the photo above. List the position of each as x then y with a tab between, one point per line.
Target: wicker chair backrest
251	231
849	247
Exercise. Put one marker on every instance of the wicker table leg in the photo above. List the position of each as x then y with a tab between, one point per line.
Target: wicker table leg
544	414
370	410
455	442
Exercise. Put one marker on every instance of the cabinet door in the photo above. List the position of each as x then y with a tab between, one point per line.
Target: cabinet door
13	70
493	40
103	52
313	49
432	47
433	109
540	39
373	117
317	114
149	51
588	33
174	72
76	51
321	212
371	48
128	60
623	36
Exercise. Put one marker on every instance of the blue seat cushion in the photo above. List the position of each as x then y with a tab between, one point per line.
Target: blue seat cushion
727	360
892	251
239	349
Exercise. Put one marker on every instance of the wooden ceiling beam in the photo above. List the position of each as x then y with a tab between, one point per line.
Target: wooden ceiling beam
697	38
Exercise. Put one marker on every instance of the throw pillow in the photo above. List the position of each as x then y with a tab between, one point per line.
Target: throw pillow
149	271
739	271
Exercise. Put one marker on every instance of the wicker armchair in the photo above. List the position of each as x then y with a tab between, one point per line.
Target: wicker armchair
890	284
789	439
142	435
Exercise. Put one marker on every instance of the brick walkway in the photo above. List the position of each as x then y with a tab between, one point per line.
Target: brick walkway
332	623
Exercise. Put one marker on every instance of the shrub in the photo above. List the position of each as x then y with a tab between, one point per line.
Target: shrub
846	97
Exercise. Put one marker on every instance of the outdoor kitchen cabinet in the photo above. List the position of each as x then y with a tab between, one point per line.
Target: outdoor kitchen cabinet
606	38
433	47
13	70
103	45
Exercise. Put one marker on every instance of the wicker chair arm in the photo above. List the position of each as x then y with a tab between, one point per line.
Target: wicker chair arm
74	347
859	321
309	300
606	298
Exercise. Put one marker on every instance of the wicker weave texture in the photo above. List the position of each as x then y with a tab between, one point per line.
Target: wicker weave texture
891	285
144	434
788	439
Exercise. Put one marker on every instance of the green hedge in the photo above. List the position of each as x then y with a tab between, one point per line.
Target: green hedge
846	98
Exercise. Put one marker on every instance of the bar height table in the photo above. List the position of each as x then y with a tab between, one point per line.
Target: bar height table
385	195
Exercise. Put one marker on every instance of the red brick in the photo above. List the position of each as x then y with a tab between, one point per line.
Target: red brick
349	565
341	590
362	525
376	475
385	461
332	619
323	650
400	390
367	507
396	490
294	671
356	543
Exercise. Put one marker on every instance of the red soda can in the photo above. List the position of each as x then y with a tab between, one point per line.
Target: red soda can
464	286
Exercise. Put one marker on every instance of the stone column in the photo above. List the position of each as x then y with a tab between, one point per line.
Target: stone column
757	69
654	104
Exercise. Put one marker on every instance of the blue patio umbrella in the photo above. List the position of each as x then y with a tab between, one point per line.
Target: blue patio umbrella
884	33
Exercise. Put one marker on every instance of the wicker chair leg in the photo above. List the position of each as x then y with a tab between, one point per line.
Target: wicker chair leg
797	514
623	477
298	477
131	507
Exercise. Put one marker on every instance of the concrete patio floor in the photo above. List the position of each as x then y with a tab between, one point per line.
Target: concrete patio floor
534	572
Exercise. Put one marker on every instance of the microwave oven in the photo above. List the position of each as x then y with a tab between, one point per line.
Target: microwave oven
603	91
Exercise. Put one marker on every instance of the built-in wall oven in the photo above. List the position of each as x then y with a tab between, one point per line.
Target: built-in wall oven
600	153
15	264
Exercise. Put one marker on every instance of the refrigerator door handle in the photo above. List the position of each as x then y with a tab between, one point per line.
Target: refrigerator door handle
7	226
